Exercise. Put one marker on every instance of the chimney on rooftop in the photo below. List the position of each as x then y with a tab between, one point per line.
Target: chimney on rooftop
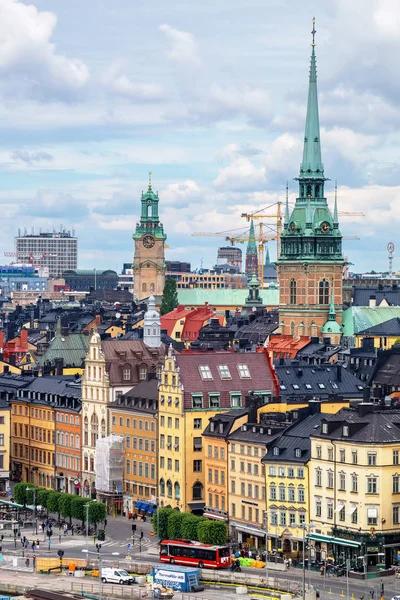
339	372
372	301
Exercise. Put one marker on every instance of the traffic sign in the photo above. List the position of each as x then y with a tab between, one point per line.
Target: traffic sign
129	546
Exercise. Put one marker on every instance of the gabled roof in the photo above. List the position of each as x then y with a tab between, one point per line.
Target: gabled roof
223	423
72	348
261	375
361	318
296	437
363	295
287	345
387	328
168	321
375	427
298	378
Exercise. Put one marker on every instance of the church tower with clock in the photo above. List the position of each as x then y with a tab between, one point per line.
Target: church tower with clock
311	261
149	239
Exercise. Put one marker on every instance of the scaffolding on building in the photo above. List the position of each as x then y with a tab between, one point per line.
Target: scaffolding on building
109	465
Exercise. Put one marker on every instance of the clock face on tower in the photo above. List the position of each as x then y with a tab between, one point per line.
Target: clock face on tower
325	227
148	241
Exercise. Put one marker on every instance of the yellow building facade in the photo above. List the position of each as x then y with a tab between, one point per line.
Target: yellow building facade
355	477
5	434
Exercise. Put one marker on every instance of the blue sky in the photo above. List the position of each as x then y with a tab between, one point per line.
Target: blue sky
210	96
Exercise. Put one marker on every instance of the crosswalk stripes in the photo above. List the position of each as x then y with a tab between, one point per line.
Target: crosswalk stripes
145	543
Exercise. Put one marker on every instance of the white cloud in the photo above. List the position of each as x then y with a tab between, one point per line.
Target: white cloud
241	174
182	46
116	80
27	55
183	192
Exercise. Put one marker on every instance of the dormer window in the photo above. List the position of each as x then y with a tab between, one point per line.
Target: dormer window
143	373
224	372
244	372
205	372
221	428
275	451
212	427
297	453
324	427
126	374
345	431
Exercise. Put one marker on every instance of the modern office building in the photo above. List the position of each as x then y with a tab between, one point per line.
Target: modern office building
56	250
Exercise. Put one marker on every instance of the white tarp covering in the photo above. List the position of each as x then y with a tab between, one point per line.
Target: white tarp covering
109	464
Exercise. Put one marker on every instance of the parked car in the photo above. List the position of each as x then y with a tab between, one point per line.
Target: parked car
117	576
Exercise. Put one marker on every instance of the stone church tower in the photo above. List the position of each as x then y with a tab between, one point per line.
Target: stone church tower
152	325
311	262
251	254
149	239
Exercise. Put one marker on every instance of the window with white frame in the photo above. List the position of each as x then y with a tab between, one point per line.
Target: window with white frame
244	372
354	482
372	485
372	516
205	372
224	372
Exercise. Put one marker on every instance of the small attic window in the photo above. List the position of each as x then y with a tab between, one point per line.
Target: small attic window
324	427
275	451
297	453
205	372
345	431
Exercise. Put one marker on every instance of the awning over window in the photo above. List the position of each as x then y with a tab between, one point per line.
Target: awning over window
141	505
352	509
372	513
150	510
319	537
14	505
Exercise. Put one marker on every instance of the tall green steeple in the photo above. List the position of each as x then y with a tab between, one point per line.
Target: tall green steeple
252	245
149	218
311	165
311	232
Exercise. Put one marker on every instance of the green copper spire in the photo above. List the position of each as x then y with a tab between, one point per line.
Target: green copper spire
267	259
331	326
311	165
287	215
252	245
335	210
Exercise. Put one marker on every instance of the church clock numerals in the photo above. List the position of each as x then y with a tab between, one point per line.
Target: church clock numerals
148	241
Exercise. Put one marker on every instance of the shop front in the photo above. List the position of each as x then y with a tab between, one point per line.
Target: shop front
334	548
243	533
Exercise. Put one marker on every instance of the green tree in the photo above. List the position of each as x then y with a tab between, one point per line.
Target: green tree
170	296
65	504
53	502
212	532
20	493
97	512
78	508
190	524
175	525
160	522
42	497
31	497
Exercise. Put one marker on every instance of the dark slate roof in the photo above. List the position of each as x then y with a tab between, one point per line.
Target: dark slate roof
257	331
387	328
295	437
55	385
362	295
223	423
378	426
145	389
297	378
388	372
253	433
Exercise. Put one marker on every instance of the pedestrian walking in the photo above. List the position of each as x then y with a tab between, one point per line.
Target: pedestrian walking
33	546
65	529
27	561
34	562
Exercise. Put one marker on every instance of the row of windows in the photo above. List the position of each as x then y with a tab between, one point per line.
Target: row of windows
216	452
66	461
167	489
291	472
282	493
166	441
61	418
215	476
88	462
214	400
37	413
352	512
140	469
252	468
169	422
372	481
36	455
252	491
224	372
371	456
68	439
140	444
169	464
139	490
249	450
37	433
216	501
135	423
323	292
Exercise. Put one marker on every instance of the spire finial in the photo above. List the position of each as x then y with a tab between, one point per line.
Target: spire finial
150	173
335	208
314	31
287	205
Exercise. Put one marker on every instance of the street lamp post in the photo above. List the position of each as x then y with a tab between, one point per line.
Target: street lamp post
87	523
33	490
305	527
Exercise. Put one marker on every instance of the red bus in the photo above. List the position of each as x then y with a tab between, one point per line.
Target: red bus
195	554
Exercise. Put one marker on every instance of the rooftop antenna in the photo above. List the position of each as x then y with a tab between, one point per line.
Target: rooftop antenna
390	249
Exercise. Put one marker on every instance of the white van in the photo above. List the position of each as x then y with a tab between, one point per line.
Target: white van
116	576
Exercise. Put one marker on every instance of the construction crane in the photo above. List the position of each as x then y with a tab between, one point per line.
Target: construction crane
279	224
30	257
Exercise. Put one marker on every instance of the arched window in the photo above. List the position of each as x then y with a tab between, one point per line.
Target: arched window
293	291
292	328
197	491
162	487
94	426
144	287
128	466
309	191
169	488
323	296
317	191
103	428
86	431
177	491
